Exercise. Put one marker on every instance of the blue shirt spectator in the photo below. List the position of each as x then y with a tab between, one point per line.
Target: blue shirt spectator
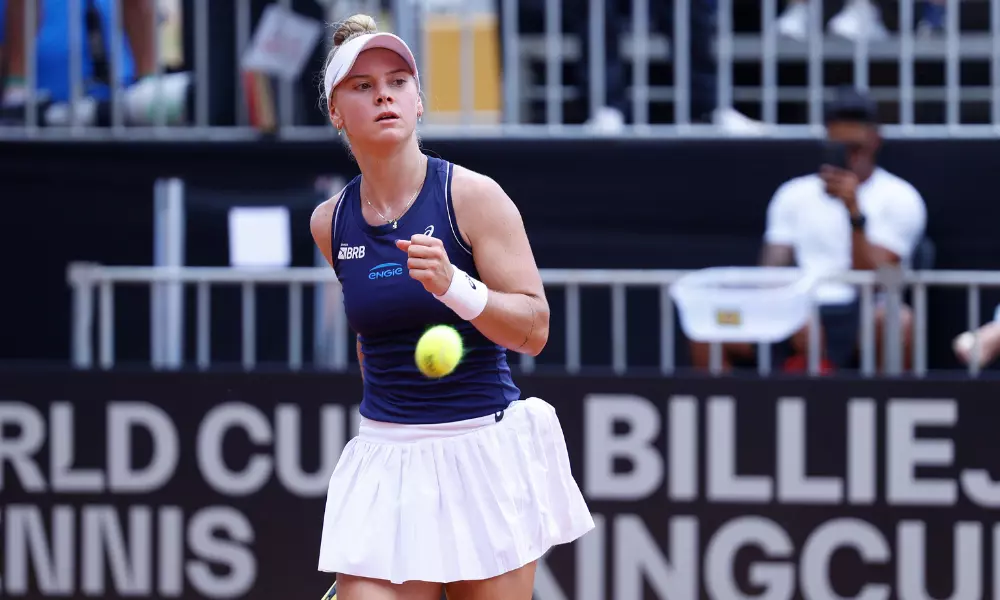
52	49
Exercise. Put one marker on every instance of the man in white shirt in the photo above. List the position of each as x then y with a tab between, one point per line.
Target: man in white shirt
859	217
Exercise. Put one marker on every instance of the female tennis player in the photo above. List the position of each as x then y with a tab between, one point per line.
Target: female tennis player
453	482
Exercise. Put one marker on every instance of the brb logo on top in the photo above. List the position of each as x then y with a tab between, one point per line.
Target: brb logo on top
350	252
385	271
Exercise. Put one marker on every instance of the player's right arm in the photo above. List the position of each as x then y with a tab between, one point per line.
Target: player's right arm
321	226
779	235
361	359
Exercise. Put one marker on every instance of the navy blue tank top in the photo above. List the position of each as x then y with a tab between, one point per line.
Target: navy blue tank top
389	310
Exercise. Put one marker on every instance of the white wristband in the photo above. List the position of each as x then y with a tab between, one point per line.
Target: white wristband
466	295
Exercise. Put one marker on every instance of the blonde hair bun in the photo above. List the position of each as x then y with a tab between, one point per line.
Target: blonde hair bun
352	27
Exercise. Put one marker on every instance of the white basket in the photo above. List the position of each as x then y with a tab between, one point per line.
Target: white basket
743	304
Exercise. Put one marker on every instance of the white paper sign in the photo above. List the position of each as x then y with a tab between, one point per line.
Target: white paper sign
260	237
282	43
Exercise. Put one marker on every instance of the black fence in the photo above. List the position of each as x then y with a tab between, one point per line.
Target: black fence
200	486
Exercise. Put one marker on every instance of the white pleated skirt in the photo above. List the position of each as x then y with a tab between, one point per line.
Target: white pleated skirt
453	501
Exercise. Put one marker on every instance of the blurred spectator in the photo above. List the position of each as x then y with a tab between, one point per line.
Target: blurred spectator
855	20
989	342
226	100
859	217
616	111
53	52
704	100
932	17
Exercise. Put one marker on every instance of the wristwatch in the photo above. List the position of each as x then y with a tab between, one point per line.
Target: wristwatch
858	222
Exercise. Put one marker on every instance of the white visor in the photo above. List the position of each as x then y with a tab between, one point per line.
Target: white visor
348	53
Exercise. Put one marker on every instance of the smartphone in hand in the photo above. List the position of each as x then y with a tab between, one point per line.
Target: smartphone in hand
835	154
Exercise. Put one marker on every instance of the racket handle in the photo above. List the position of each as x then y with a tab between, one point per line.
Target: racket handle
331	594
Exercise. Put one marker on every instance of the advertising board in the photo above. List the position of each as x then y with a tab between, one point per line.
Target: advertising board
200	486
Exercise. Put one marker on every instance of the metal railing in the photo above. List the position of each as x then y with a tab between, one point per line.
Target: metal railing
463	32
85	279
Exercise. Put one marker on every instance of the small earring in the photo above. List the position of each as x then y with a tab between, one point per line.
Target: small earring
339	131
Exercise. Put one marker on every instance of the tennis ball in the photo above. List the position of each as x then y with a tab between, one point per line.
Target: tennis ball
438	351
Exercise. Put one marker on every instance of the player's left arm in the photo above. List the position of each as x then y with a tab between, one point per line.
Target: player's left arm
516	313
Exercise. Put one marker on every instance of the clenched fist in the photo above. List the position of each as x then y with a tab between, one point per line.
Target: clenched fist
428	262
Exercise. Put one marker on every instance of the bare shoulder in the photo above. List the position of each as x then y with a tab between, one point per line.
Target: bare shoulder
321	225
480	202
466	184
322	217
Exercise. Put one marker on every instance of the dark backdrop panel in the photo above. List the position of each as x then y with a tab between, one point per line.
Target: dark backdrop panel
586	203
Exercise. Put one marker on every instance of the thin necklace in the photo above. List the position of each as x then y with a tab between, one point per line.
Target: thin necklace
395	222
